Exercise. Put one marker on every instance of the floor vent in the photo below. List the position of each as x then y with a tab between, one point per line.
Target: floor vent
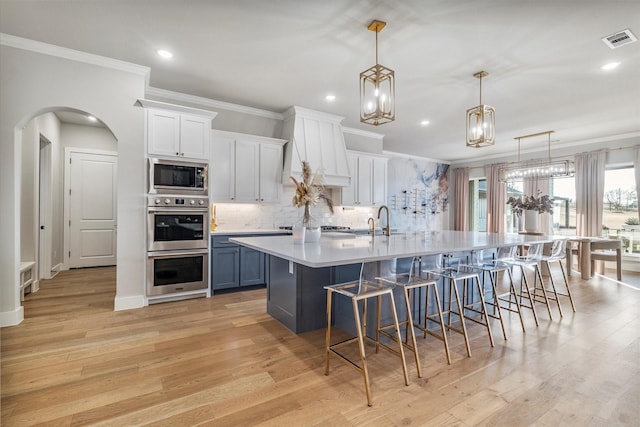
619	38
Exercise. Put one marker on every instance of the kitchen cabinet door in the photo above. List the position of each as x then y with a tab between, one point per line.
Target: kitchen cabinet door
349	193
270	172
247	171
364	187
222	170
379	181
163	133
225	268
194	136
251	267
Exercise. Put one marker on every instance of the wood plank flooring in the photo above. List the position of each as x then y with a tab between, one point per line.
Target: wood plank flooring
223	361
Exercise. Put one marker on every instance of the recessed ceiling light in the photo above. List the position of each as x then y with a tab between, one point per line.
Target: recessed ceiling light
164	53
610	66
330	98
92	119
424	122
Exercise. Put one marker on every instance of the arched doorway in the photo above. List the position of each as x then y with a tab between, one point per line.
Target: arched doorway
49	216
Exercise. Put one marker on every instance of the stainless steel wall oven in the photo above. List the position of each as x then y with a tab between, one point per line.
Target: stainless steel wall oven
177	271
177	244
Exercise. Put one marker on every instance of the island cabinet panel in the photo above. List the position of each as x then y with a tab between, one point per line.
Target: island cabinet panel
297	298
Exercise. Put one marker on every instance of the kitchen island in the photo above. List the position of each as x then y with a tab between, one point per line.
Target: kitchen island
297	273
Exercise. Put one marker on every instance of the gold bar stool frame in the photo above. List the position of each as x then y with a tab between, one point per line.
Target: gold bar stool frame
493	267
558	253
464	275
531	259
362	290
407	279
430	282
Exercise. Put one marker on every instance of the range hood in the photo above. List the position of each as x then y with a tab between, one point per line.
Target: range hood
317	138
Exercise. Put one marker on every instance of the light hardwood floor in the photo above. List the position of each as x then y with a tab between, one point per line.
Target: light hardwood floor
224	361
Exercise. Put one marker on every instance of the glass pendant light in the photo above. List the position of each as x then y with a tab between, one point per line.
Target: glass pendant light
377	89
481	121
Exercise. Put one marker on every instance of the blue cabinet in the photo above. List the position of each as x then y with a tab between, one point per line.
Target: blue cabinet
233	266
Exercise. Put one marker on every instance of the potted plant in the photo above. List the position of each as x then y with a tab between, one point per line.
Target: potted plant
631	223
532	206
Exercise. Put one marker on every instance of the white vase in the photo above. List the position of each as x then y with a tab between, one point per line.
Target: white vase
312	234
531	221
299	232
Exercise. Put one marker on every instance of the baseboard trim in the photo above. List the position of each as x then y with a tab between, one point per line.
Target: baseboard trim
128	303
11	318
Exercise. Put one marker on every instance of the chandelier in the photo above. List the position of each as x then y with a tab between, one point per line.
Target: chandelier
536	168
377	89
481	121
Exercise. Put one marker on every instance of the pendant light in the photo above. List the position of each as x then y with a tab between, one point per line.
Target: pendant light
539	169
377	89
481	121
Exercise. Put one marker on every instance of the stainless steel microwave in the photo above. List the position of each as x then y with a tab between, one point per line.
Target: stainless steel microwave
177	177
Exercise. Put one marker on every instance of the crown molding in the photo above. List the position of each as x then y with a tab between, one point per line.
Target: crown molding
74	55
556	148
412	156
212	103
365	133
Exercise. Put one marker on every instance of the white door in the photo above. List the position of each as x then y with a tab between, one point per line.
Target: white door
92	210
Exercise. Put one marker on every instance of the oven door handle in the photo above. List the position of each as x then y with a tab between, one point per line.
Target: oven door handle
162	254
180	210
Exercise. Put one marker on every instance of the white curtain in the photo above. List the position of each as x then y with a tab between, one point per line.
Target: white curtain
531	187
496	200
461	196
590	169
636	169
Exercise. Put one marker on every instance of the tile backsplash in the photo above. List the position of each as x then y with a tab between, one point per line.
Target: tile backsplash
242	216
417	196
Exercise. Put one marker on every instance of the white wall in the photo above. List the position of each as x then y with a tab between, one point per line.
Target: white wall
33	83
89	137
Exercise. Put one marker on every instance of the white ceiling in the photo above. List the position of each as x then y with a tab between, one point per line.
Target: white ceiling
543	59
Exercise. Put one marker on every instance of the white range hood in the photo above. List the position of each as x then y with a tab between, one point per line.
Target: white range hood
317	138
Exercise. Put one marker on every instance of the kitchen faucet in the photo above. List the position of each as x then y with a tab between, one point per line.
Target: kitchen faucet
372	225
386	229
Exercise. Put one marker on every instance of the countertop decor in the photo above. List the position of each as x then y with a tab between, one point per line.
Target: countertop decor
309	192
540	203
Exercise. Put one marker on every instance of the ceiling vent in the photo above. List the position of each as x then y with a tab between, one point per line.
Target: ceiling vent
619	38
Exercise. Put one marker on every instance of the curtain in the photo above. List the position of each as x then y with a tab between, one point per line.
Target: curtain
636	169
461	196
496	200
531	186
590	169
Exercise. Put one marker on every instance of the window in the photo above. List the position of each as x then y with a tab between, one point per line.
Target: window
563	191
620	208
478	204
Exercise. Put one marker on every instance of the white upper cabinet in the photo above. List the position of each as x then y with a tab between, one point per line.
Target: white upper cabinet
177	131
245	168
369	181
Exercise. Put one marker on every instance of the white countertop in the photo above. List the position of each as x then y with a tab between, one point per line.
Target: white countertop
330	251
239	231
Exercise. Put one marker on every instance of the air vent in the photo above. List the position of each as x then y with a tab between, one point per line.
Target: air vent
619	38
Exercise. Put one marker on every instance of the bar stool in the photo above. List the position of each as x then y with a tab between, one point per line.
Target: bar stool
408	278
492	267
558	253
362	290
466	276
530	260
